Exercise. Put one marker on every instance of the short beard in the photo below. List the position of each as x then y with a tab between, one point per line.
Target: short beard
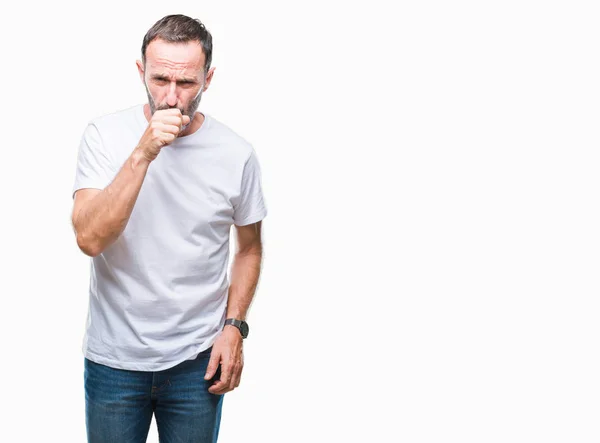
190	111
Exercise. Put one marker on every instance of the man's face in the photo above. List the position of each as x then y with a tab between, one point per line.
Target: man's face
174	76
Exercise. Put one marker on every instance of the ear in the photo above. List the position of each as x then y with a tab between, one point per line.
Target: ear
209	77
140	68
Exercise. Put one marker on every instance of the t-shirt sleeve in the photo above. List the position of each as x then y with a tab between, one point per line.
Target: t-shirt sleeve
250	207
94	169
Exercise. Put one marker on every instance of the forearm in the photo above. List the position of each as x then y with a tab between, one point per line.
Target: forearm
103	218
245	272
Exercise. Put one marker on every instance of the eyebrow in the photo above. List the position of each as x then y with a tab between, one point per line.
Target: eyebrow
179	80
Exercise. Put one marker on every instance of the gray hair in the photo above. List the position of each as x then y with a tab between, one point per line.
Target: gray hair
180	28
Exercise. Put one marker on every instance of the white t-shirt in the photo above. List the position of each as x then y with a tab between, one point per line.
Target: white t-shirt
158	294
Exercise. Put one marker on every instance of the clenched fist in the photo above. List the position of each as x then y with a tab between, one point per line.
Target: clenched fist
164	127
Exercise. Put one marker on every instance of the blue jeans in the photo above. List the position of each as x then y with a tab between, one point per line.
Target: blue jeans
119	403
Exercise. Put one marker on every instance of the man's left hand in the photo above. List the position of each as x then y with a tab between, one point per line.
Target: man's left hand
226	350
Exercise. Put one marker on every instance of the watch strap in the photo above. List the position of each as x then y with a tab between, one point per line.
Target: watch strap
237	323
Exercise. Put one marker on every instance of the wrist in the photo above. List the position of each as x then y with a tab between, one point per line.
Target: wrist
139	157
231	327
240	325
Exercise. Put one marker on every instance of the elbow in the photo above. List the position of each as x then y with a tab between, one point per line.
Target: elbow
88	246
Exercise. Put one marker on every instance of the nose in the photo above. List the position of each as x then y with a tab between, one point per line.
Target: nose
172	94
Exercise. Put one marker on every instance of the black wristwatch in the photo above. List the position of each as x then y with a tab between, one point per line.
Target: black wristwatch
240	324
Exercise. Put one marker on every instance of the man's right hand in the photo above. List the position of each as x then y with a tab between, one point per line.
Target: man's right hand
164	127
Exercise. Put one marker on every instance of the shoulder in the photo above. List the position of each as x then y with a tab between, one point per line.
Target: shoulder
117	119
228	139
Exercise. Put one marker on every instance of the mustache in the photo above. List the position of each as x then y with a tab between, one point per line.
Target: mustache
162	107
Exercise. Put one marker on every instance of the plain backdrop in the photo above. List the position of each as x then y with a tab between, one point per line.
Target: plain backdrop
431	250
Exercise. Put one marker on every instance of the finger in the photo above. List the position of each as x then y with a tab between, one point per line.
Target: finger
226	369
240	370
165	113
213	364
167	137
176	121
239	377
222	385
171	120
171	129
218	388
235	379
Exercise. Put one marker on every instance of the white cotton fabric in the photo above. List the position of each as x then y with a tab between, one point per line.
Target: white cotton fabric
158	294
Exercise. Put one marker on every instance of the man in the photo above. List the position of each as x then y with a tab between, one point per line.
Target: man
157	189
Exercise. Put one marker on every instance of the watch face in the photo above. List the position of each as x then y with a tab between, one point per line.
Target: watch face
244	328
